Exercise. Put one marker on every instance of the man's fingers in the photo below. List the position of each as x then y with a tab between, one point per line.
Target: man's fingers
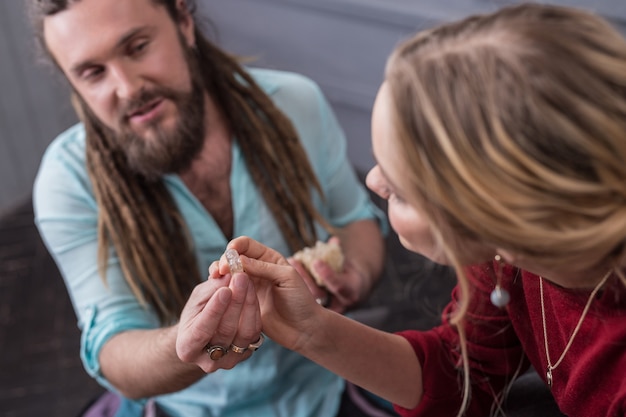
249	322
229	321
201	329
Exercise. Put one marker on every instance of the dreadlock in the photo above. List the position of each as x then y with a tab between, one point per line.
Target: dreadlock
269	143
142	223
139	220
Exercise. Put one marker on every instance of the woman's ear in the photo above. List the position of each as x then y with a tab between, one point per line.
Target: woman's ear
507	256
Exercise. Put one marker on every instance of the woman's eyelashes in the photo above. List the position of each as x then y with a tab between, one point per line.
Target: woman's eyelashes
389	194
393	197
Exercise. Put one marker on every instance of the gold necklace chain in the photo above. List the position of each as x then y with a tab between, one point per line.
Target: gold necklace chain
550	366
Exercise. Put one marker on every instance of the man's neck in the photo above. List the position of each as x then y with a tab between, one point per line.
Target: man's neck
208	177
213	163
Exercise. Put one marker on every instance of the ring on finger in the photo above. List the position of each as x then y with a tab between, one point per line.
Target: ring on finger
216	352
237	349
254	346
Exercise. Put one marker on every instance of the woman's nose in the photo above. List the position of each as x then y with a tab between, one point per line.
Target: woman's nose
374	181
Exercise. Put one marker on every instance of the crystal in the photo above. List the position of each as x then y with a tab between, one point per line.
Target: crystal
234	263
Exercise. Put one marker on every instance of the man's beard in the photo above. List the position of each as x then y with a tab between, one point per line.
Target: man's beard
164	152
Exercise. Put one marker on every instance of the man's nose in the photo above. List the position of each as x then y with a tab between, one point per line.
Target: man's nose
127	83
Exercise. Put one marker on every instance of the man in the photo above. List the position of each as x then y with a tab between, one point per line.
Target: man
179	150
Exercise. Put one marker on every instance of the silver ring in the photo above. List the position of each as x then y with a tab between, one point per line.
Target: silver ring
237	349
216	352
254	346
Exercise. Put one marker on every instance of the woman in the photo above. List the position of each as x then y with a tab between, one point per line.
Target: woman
500	143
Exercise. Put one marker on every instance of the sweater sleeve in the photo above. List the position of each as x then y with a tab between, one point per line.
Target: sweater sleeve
495	355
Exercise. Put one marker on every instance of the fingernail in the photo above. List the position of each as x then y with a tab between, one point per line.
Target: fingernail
240	281
223	295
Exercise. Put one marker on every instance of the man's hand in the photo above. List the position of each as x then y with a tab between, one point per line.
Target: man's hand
289	312
219	322
339	290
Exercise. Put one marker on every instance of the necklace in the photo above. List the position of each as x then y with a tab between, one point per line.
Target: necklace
551	367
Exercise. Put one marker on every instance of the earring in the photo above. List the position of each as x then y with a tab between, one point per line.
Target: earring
499	296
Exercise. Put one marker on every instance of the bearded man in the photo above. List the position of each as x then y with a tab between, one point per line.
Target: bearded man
179	150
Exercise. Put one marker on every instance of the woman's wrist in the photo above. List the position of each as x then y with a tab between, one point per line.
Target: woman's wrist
318	337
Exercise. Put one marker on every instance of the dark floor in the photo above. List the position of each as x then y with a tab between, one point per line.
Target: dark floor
40	371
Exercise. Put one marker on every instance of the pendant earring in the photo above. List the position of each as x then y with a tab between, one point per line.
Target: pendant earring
499	296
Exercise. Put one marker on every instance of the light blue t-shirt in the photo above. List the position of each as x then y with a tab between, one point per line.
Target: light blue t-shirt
274	381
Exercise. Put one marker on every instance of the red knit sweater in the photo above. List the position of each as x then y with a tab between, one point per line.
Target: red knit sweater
589	382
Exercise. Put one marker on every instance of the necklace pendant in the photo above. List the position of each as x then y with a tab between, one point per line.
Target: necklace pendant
500	297
549	377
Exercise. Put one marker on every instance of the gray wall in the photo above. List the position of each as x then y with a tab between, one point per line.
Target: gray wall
33	106
341	44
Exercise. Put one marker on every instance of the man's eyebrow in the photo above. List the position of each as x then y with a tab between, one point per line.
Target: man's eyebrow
78	68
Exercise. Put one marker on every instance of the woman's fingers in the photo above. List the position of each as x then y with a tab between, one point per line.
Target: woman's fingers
253	249
318	292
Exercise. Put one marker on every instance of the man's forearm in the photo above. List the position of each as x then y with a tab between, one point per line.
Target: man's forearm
143	363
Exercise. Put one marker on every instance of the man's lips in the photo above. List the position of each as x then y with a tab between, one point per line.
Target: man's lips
145	113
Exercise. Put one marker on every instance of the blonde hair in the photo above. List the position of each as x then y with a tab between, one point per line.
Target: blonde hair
513	126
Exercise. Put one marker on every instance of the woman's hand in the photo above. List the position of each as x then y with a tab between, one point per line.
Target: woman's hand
221	316
288	309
